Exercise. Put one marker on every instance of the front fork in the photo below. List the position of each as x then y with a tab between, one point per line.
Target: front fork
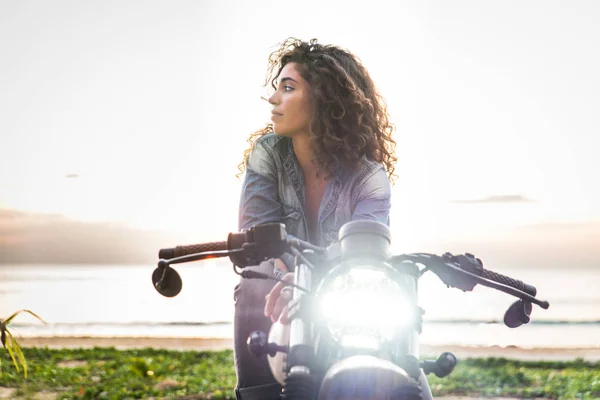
297	380
301	352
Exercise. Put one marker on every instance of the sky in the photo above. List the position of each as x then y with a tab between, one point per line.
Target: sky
136	113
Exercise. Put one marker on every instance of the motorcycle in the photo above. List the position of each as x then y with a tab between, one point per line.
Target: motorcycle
354	318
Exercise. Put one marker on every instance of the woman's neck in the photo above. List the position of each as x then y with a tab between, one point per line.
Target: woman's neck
305	155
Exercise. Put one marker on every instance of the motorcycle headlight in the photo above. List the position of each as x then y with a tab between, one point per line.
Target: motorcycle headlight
364	307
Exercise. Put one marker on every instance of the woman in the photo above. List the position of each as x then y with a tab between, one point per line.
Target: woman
326	159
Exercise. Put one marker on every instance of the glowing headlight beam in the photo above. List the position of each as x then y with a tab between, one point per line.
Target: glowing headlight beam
365	305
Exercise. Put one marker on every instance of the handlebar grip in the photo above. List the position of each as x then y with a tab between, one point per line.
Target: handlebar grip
179	251
508	281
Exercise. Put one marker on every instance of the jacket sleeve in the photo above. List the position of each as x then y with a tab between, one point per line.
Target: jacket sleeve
374	198
259	199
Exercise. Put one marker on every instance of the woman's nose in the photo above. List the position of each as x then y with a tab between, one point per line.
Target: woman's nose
273	99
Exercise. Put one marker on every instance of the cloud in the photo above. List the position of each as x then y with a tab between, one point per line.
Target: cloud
500	199
564	226
53	239
544	245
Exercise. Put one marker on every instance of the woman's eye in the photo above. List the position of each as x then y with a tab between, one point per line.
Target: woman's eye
287	88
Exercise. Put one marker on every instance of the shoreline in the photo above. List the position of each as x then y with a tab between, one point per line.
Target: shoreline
216	344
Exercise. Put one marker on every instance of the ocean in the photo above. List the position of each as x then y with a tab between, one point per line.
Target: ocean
120	301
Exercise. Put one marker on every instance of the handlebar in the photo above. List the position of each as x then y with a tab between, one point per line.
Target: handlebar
266	241
470	263
508	281
179	251
465	272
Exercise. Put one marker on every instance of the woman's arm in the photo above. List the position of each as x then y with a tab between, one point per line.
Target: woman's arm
259	199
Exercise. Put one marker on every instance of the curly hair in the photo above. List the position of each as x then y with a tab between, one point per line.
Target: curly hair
350	118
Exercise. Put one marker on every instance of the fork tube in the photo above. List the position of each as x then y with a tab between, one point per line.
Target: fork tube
300	337
413	337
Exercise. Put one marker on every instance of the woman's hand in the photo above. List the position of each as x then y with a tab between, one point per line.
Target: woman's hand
276	304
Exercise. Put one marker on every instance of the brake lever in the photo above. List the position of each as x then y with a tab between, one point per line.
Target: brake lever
452	274
446	268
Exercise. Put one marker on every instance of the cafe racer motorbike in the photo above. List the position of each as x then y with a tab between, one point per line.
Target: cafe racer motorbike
353	309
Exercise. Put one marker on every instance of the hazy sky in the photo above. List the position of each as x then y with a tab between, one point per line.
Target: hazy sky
137	111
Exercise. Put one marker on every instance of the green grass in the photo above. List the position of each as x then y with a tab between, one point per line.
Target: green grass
494	377
131	374
106	373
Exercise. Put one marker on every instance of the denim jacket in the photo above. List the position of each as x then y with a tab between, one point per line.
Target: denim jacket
273	191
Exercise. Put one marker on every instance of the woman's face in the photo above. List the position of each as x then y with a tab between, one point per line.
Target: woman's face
292	112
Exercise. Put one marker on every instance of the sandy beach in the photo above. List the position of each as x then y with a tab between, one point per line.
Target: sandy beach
203	344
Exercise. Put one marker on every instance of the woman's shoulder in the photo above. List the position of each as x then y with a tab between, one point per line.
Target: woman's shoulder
269	149
368	176
363	170
272	141
371	166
